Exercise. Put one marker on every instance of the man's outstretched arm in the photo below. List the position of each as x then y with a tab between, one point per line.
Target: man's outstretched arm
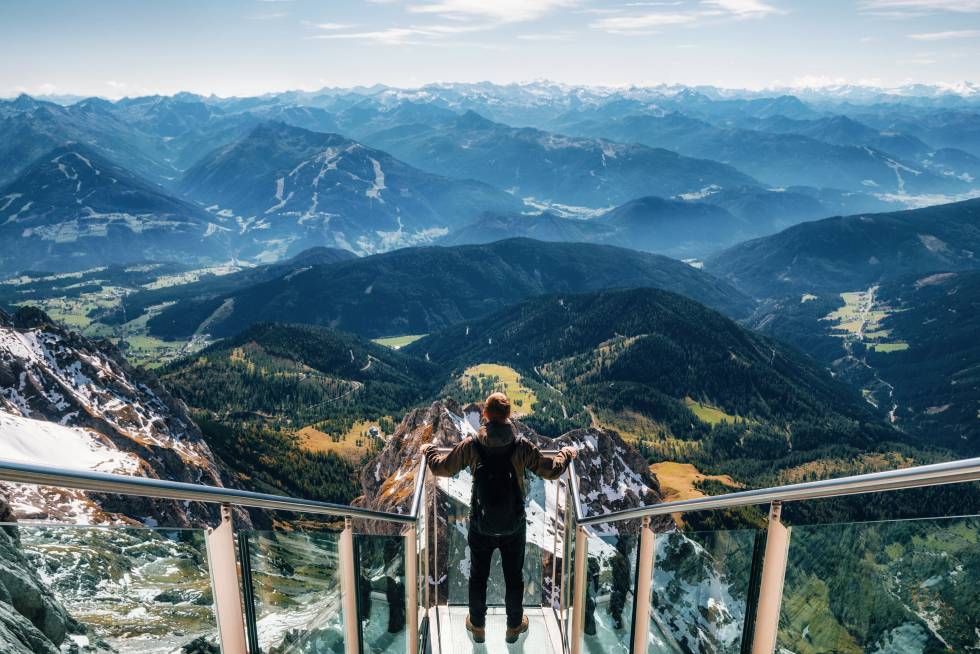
448	463
549	467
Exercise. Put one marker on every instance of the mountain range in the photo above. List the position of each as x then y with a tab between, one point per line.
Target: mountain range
73	209
551	167
853	252
738	150
296	186
786	158
677	228
420	290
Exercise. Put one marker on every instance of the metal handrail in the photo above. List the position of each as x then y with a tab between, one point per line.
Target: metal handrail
576	495
928	475
101	482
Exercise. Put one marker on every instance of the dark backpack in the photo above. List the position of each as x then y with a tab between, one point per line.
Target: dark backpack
497	504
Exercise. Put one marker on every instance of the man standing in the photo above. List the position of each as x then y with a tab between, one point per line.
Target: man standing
498	458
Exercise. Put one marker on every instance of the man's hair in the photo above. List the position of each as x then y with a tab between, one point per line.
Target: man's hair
497	408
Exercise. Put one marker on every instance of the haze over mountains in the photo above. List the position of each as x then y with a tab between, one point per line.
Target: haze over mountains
374	169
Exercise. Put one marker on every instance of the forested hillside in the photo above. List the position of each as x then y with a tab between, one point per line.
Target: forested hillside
422	290
288	376
682	380
854	252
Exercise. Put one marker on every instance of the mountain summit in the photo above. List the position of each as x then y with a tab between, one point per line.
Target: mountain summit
288	183
73	209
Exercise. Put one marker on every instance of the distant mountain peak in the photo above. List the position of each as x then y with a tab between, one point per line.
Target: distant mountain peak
473	120
24	102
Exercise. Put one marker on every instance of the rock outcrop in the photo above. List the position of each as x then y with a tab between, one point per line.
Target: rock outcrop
67	400
32	620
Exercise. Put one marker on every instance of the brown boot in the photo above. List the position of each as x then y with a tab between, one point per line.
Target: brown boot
514	634
479	633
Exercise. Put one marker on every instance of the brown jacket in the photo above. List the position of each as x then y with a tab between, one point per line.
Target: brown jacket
492	435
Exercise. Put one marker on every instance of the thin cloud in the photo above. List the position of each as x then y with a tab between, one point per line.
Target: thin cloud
743	8
945	36
501	11
332	26
642	22
549	36
650	22
412	35
898	7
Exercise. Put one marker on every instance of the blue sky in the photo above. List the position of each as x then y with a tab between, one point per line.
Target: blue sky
133	47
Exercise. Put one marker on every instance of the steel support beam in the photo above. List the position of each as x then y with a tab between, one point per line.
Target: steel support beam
223	564
348	590
581	582
771	587
412	590
644	583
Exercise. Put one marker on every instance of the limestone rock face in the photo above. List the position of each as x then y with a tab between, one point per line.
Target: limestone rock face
32	621
69	401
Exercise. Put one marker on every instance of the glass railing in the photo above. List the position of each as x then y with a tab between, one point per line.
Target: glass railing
903	586
701	587
382	592
610	584
295	590
130	589
376	582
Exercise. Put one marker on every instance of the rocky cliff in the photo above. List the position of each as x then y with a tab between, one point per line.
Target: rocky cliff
32	620
69	401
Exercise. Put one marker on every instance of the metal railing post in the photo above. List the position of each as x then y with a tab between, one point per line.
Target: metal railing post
348	590
771	587
553	595
578	590
412	588
223	565
644	583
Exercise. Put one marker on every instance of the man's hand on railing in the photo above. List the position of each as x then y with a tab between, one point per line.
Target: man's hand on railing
427	450
570	451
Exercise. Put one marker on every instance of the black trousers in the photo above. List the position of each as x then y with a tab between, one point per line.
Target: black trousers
512	559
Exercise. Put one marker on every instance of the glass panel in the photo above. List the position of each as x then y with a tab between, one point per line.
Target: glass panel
568	565
700	588
135	589
883	587
381	601
296	585
422	552
611	581
539	540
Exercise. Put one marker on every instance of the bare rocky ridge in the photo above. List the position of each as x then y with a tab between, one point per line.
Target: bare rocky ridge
612	476
67	400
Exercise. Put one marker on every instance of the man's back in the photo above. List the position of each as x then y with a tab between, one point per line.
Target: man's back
499	458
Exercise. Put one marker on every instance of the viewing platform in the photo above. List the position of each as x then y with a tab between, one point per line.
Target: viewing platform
624	581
